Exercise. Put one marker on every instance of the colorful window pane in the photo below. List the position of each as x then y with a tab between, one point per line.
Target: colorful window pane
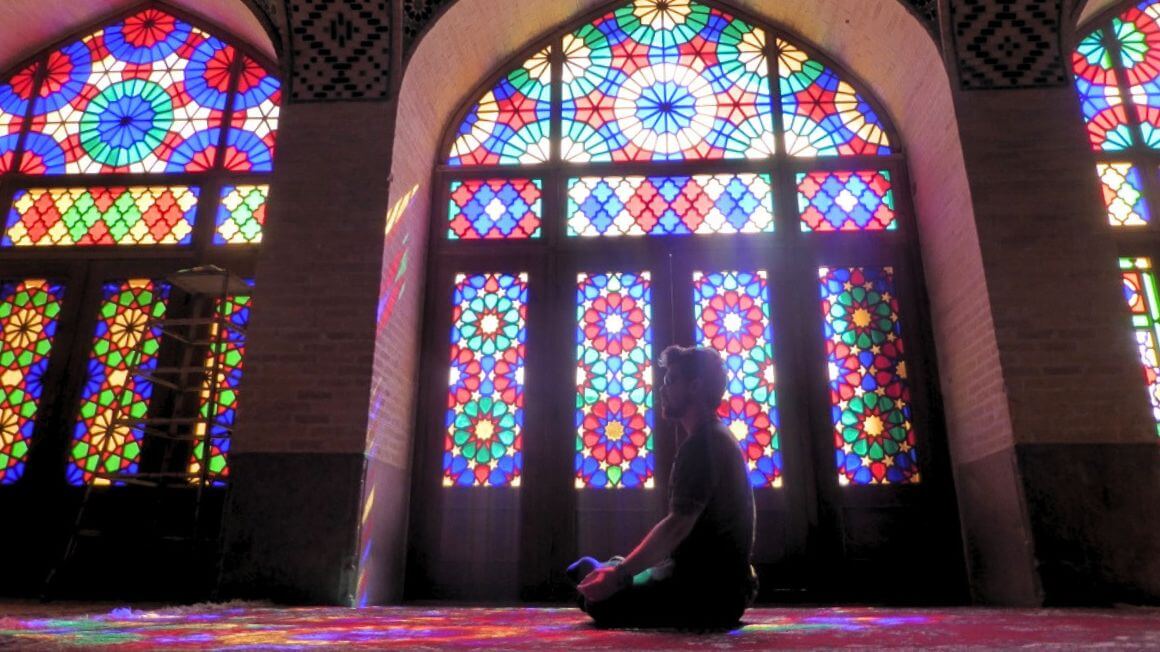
28	318
241	215
824	115
1123	191
874	440
254	124
510	123
229	353
1141	294
485	401
104	443
665	80
670	205
101	216
846	201
1099	94
146	94
495	208
731	311
14	102
1138	35
614	402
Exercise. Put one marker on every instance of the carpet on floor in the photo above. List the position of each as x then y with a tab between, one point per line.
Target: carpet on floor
249	627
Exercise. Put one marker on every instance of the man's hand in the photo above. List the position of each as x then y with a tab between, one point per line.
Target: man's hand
601	584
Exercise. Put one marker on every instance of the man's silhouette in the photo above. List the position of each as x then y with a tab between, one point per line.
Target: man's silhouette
692	569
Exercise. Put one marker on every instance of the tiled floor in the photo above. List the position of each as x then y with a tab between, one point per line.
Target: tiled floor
30	626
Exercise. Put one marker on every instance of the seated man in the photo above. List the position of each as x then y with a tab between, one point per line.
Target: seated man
692	569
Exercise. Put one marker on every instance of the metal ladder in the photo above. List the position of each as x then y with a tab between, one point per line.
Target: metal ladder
197	343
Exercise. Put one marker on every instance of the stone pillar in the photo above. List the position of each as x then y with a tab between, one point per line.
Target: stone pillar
292	523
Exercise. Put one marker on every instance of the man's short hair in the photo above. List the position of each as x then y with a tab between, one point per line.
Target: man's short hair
700	363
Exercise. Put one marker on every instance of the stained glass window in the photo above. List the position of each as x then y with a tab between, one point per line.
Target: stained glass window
229	352
670	205
1099	93
149	94
495	208
15	96
241	215
614	402
731	312
664	81
101	216
874	440
254	124
510	123
28	319
1140	292
146	94
485	400
824	115
1123	192
665	125
103	441
846	201
1138	36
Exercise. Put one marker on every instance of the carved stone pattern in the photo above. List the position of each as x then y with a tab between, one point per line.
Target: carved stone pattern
341	49
1012	44
417	14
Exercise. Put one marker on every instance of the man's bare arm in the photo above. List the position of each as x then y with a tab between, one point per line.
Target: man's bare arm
660	542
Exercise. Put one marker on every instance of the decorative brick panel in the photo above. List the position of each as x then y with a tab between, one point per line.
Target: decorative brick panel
340	49
1008	44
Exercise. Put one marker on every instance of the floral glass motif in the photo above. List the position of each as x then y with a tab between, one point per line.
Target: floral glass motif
241	214
29	311
731	313
846	201
614	402
665	80
495	209
824	115
15	99
1123	192
101	216
510	123
874	440
485	401
229	351
147	94
1138	35
1099	94
670	205
103	443
1141	294
254	123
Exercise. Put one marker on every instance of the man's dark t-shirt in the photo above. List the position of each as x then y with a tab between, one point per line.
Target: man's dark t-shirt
710	471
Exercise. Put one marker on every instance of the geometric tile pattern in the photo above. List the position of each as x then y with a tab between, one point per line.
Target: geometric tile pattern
664	205
340	49
846	201
1008	43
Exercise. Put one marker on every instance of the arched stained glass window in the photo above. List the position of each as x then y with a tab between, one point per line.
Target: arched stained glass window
670	171
153	134
1117	77
150	95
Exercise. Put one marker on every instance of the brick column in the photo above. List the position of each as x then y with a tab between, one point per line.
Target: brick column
298	458
1083	451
